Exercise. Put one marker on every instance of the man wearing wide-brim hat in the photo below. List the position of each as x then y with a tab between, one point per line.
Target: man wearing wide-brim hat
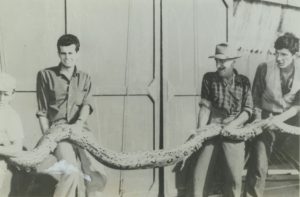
225	99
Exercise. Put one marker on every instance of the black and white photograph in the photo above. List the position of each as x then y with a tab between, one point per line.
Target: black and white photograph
149	98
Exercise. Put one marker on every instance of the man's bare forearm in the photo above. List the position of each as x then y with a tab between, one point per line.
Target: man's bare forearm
44	124
241	119
203	116
84	114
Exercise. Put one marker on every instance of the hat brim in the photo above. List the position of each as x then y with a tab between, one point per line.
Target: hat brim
223	57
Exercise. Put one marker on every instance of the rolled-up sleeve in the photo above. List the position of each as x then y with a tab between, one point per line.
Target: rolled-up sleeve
205	92
87	100
42	96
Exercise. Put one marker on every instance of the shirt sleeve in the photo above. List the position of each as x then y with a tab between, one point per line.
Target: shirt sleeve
87	100
205	92
42	96
247	104
297	99
259	84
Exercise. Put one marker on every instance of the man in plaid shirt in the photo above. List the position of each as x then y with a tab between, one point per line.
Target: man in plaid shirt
225	99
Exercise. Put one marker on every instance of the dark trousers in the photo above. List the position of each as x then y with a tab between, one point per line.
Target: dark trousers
259	151
258	154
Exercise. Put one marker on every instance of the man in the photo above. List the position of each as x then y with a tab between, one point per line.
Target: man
225	99
11	131
64	97
275	89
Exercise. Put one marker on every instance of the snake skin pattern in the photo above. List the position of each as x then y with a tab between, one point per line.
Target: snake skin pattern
146	159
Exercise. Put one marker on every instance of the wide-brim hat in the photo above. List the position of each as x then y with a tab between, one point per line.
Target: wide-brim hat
7	82
225	52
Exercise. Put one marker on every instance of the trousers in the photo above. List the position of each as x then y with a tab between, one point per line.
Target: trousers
205	159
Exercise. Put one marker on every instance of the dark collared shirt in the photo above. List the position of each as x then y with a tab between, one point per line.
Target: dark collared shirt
60	98
231	97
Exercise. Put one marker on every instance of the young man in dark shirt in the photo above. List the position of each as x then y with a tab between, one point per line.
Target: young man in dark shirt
64	97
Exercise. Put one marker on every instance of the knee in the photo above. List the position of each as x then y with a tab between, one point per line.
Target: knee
95	194
71	175
262	171
235	181
65	169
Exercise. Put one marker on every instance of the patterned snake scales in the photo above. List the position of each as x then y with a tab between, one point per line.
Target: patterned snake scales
147	159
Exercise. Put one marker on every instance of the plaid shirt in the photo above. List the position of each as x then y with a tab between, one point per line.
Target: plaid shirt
231	97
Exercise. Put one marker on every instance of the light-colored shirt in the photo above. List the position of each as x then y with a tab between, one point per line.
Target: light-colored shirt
11	128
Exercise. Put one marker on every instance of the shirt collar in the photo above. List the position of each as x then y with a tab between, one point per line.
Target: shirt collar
75	72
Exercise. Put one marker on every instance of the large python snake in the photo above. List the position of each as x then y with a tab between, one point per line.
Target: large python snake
147	159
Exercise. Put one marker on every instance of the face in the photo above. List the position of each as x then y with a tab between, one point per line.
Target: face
68	55
224	67
5	97
283	58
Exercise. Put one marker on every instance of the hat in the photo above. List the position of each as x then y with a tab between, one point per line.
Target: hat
225	52
7	82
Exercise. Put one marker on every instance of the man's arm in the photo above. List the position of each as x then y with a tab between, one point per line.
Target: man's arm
12	149
86	108
258	88
240	120
44	123
15	136
42	100
205	103
204	114
83	115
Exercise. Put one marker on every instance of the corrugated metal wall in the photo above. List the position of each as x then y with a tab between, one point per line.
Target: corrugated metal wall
254	27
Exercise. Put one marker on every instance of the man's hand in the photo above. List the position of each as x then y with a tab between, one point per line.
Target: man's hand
270	125
77	126
16	154
229	127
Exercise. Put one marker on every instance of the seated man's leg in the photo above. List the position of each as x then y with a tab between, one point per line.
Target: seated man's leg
234	153
95	176
258	164
69	181
200	171
5	179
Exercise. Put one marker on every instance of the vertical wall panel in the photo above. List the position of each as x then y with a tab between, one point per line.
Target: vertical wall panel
190	34
117	49
29	31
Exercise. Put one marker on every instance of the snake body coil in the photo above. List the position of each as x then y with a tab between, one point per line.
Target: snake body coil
139	160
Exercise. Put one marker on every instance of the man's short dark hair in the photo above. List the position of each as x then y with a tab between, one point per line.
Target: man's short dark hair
287	41
67	40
